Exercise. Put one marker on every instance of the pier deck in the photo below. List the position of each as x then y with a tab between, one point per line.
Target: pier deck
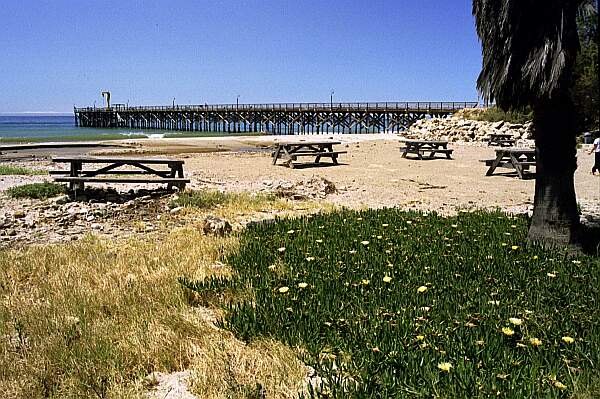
287	118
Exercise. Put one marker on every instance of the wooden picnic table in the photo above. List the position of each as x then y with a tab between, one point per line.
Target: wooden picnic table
502	140
291	150
76	176
519	159
420	147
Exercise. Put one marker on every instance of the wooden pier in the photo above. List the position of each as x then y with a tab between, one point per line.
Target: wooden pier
290	118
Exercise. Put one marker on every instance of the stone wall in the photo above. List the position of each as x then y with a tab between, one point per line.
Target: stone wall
458	129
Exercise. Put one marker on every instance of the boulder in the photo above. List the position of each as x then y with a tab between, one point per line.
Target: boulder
213	225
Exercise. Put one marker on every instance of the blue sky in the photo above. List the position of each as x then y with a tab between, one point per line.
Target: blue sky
57	53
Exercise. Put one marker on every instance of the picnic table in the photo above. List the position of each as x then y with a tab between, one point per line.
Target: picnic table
76	175
420	147
290	151
502	140
519	159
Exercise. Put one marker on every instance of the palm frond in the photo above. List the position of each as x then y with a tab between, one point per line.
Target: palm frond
529	48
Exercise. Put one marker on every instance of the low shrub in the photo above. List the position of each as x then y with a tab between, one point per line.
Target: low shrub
213	198
495	114
17	170
37	190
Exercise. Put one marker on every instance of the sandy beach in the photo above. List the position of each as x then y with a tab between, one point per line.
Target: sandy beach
371	174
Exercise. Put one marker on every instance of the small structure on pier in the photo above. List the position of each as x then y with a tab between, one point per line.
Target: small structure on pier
296	118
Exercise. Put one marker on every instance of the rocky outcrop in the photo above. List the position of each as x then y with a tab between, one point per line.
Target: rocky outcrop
458	129
314	188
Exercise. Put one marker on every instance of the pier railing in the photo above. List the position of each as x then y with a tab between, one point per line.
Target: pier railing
352	107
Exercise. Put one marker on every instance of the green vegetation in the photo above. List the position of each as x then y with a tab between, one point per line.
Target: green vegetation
213	198
395	304
495	114
17	170
37	190
585	89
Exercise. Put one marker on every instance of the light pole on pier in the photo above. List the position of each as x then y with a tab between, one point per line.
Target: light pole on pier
331	98
173	102
237	101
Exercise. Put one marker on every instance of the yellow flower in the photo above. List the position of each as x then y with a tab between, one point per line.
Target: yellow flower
507	331
445	366
291	232
514	247
535	341
535	257
420	337
409	222
568	340
319	241
310	259
516	321
387	279
421	289
283	290
365	281
385	225
560	385
302	285
281	249
272	267
364	242
551	275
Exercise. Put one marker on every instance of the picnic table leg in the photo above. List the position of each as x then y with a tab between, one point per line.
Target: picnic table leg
276	154
289	162
448	156
76	168
517	166
495	164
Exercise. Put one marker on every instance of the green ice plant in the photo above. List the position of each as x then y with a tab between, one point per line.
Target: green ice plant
384	303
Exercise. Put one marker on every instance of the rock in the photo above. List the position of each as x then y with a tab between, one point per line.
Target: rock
18	214
61	200
176	210
216	226
96	226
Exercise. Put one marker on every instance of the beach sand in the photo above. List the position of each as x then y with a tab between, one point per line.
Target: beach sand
371	174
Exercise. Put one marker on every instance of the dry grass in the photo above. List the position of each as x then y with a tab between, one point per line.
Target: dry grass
94	317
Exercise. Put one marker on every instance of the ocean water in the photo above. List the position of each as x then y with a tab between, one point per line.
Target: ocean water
60	127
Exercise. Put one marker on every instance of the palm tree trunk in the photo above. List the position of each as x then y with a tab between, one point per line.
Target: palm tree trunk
555	220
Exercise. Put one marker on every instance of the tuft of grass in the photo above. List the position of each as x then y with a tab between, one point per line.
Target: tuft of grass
212	198
17	170
495	114
384	303
37	190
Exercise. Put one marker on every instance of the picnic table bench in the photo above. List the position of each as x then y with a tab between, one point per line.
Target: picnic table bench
76	176
420	147
519	159
290	151
502	140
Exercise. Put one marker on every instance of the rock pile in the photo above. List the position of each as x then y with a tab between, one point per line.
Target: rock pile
457	129
67	219
313	188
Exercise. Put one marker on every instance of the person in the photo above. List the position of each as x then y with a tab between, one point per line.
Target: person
596	150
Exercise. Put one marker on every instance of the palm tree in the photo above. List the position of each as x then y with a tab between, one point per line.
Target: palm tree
529	49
